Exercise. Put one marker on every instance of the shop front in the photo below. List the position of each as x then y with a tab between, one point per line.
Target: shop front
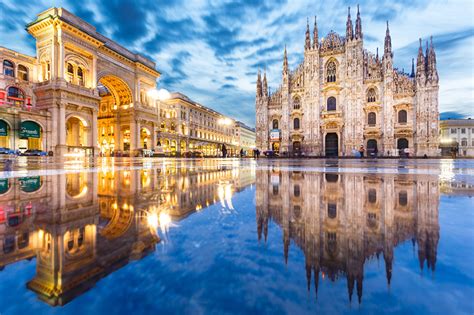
30	136
4	135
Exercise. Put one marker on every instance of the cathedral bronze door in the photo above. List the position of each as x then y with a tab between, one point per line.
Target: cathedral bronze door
332	145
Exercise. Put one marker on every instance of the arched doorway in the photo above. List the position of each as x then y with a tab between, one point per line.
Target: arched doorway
297	147
77	136
5	132
145	138
31	136
113	129
402	144
372	147
332	145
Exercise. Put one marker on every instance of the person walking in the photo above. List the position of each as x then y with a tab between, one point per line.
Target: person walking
242	153
224	151
361	151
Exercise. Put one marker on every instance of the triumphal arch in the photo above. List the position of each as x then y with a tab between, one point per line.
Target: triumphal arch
93	89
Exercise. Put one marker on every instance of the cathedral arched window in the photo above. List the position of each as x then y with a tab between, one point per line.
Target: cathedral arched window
372	195
402	198
371	96
372	119
331	72
402	117
23	72
296	190
8	68
296	123
331	103
332	210
296	103
275	124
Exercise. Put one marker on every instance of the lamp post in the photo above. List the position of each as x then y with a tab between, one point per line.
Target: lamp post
158	96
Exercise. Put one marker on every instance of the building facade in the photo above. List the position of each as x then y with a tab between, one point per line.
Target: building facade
245	138
457	135
342	96
82	92
187	126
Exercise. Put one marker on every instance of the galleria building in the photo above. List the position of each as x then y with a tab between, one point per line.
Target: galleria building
342	96
85	94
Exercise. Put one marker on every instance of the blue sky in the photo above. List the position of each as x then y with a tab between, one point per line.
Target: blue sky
210	50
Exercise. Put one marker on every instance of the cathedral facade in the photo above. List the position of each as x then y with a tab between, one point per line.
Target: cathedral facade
342	97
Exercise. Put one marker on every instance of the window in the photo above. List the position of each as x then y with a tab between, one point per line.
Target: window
46	71
331	103
371	96
23	72
332	210
8	68
402	198
70	72
402	117
463	130
453	130
464	142
296	123
80	76
275	124
15	92
296	190
372	195
372	119
296	103
331	72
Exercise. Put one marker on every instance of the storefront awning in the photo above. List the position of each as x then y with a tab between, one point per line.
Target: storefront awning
30	184
3	128
30	129
4	185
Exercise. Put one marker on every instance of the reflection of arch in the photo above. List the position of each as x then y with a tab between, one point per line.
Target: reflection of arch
76	185
119	89
5	133
145	138
119	222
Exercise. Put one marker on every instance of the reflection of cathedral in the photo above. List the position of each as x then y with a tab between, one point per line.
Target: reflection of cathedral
82	227
341	221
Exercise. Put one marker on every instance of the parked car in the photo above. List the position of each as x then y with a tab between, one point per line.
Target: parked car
6	151
34	153
271	153
193	154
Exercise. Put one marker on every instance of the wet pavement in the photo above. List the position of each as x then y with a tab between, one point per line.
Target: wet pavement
230	236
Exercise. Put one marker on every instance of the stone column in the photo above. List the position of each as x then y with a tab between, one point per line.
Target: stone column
133	136
94	133
61	127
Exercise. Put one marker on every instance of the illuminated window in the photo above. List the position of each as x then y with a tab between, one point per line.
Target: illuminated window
15	92
8	68
80	76
70	72
23	72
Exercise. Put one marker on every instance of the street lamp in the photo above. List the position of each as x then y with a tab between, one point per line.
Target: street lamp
161	94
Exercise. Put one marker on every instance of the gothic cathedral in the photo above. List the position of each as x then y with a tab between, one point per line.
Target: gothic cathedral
342	97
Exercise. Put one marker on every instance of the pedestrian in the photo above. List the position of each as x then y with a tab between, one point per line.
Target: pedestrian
376	151
407	152
361	151
258	153
224	151
241	153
